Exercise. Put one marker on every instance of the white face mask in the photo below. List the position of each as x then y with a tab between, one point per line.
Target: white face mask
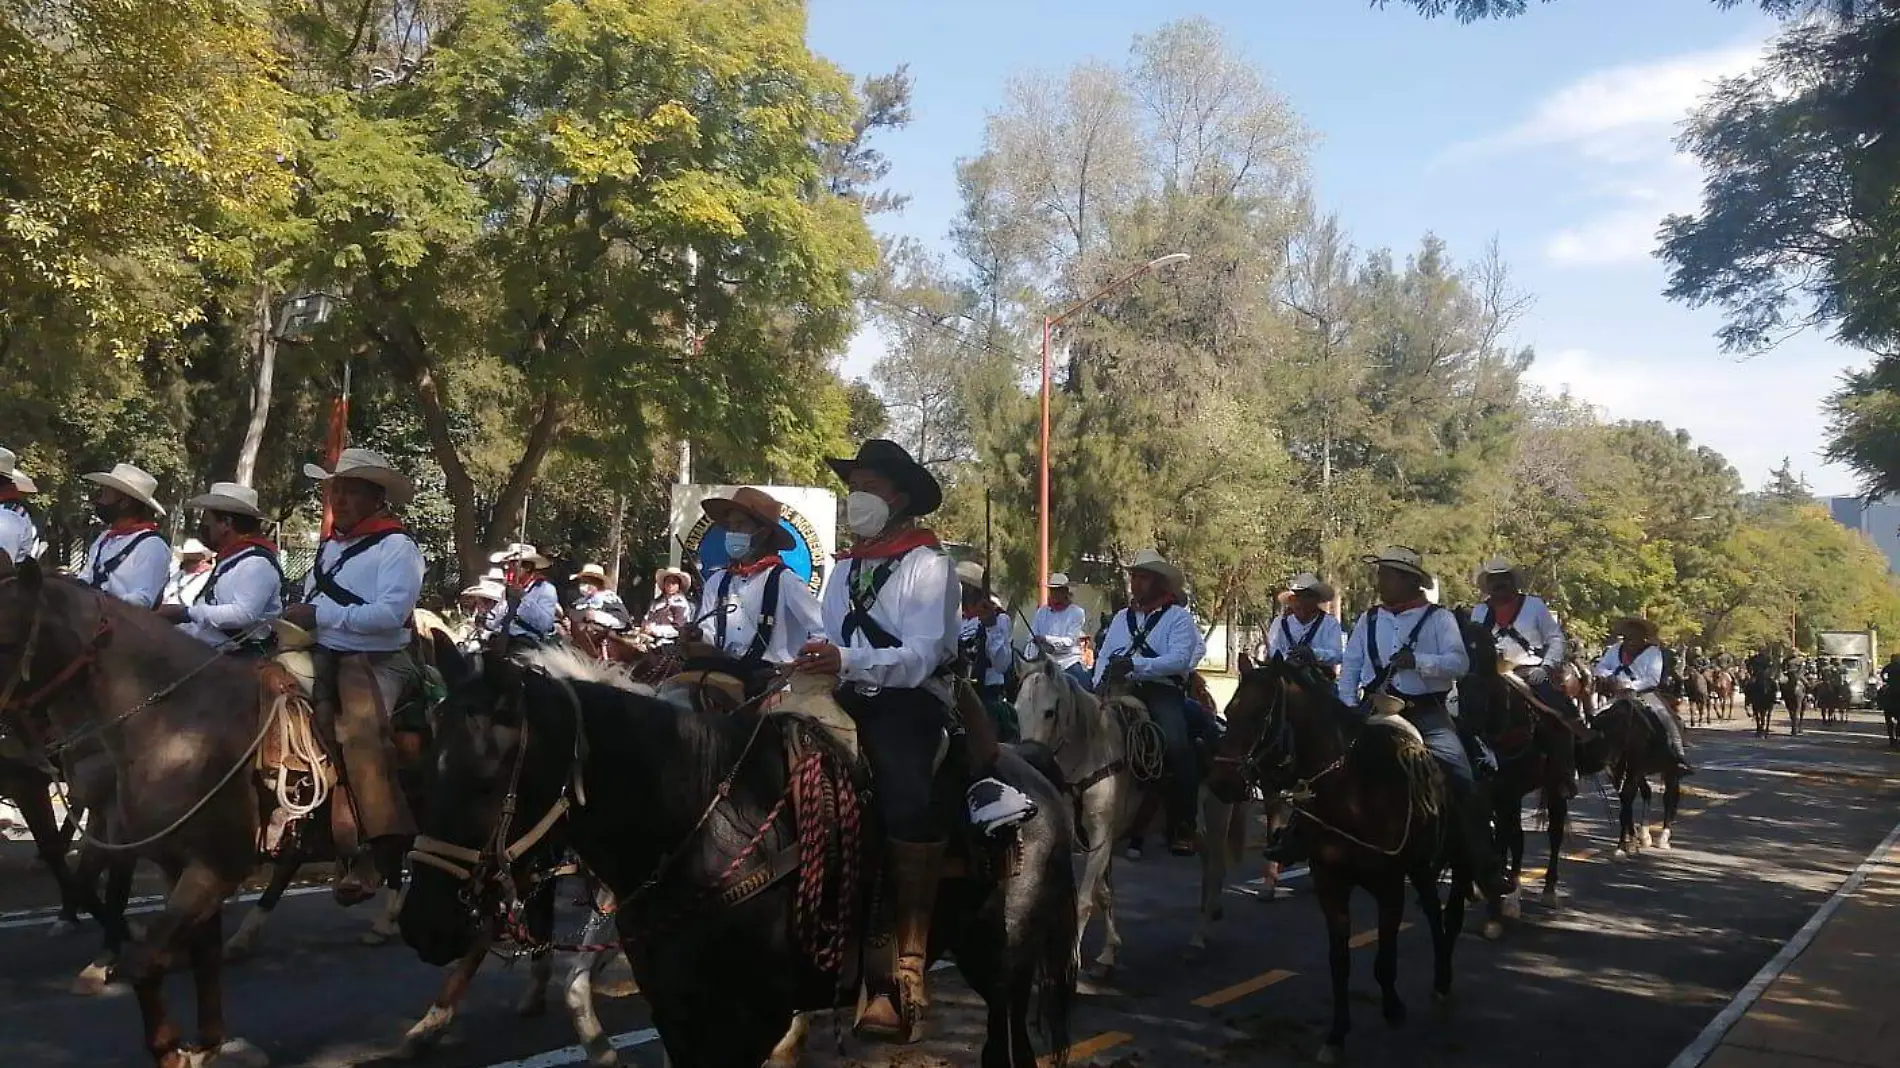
866	513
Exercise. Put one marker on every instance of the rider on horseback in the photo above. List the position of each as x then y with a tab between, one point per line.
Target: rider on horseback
129	559
1634	666
1409	648
19	534
1531	641
890	636
245	590
360	596
534	606
1306	633
755	608
1154	643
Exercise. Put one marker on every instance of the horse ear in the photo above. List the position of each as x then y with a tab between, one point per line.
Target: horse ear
1245	662
449	660
29	573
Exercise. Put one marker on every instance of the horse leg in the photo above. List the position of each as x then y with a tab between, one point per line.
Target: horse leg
1557	814
1217	823
36	807
1508	816
118	872
384	928
1425	885
1672	797
540	919
197	894
1095	892
207	968
429	1031
1626	816
243	942
791	1048
1334	894
1385	965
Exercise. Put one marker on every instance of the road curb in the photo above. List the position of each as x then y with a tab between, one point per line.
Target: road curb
1712	1036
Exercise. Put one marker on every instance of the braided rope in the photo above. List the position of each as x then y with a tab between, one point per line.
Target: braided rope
828	825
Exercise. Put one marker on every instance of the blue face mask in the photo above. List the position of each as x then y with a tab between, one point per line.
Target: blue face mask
738	544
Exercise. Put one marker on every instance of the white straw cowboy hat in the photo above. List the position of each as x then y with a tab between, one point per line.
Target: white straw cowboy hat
367	466
10	469
228	498
970	573
521	553
761	506
590	573
130	481
1058	581
686	580
487	590
1309	584
193	547
1154	563
1399	558
1498	565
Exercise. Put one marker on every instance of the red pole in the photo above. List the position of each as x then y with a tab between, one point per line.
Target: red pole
333	439
1042	512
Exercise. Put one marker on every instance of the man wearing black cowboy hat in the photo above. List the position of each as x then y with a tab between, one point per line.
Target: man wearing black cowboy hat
890	611
754	607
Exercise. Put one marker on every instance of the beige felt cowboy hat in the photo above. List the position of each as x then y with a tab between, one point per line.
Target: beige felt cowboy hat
1399	558
228	498
132	482
1498	565
756	504
593	573
1307	584
367	466
1154	563
1058	581
521	553
10	470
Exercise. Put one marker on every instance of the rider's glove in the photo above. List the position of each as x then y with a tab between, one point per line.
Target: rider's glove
1537	676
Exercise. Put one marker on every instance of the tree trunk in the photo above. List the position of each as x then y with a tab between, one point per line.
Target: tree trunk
615	533
464	524
514	496
264	351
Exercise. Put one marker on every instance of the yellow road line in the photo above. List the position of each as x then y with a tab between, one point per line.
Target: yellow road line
1089	1047
1242	989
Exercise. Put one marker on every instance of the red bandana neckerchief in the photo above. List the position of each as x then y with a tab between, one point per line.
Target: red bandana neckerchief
1406	606
11	492
375	524
1626	654
238	545
763	563
893	546
121	527
1505	614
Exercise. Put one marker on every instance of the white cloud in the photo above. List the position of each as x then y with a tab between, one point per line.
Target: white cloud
1616	115
1753	411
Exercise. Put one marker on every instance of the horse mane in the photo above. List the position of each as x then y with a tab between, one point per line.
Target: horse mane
571	665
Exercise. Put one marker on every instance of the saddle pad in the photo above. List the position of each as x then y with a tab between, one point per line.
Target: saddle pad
1396	723
810	698
301	666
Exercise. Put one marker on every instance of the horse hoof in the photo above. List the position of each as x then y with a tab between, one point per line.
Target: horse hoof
1441	997
1550	900
239	1053
62	927
1328	1054
1194	952
1510	906
1493	930
374	937
1662	840
92	981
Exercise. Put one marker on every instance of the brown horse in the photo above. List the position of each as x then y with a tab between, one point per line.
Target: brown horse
1722	693
1698	692
1637	749
1371	804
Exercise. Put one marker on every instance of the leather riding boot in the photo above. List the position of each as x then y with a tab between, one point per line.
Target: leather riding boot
897	1014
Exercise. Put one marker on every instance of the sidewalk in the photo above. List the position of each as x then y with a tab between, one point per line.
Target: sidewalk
1838	1003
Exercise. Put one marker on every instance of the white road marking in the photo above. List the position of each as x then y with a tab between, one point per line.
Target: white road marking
138	906
1248	888
1711	1037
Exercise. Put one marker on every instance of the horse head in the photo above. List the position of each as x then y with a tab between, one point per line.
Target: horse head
1281	724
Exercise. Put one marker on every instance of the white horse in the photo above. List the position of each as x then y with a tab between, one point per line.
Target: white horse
1090	741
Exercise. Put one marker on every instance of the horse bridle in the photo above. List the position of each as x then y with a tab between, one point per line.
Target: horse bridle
23	672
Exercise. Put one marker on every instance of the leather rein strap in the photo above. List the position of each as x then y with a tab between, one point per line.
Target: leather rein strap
24	672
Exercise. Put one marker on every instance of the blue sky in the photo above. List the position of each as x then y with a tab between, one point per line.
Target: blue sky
1552	132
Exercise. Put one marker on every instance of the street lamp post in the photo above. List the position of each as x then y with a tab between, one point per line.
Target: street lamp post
1049	323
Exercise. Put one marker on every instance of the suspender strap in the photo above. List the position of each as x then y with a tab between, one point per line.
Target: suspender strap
326	582
103	569
1304	641
863	596
768	616
719	601
1372	636
225	567
1138	639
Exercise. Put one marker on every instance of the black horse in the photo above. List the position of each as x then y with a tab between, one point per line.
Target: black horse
1760	693
694	822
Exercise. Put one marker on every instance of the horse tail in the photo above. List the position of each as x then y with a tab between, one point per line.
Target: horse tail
1055	968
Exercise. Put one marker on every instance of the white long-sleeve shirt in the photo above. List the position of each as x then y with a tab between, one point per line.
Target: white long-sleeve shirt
996	647
184	586
1439	652
1536	625
19	537
1061	629
139	578
387	576
1328	640
1173	636
535	615
241	592
737	602
919	606
1644	672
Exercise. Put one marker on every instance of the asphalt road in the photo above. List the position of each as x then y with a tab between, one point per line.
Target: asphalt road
1641	956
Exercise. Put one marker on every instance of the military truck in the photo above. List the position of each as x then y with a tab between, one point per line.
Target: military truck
1857	654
